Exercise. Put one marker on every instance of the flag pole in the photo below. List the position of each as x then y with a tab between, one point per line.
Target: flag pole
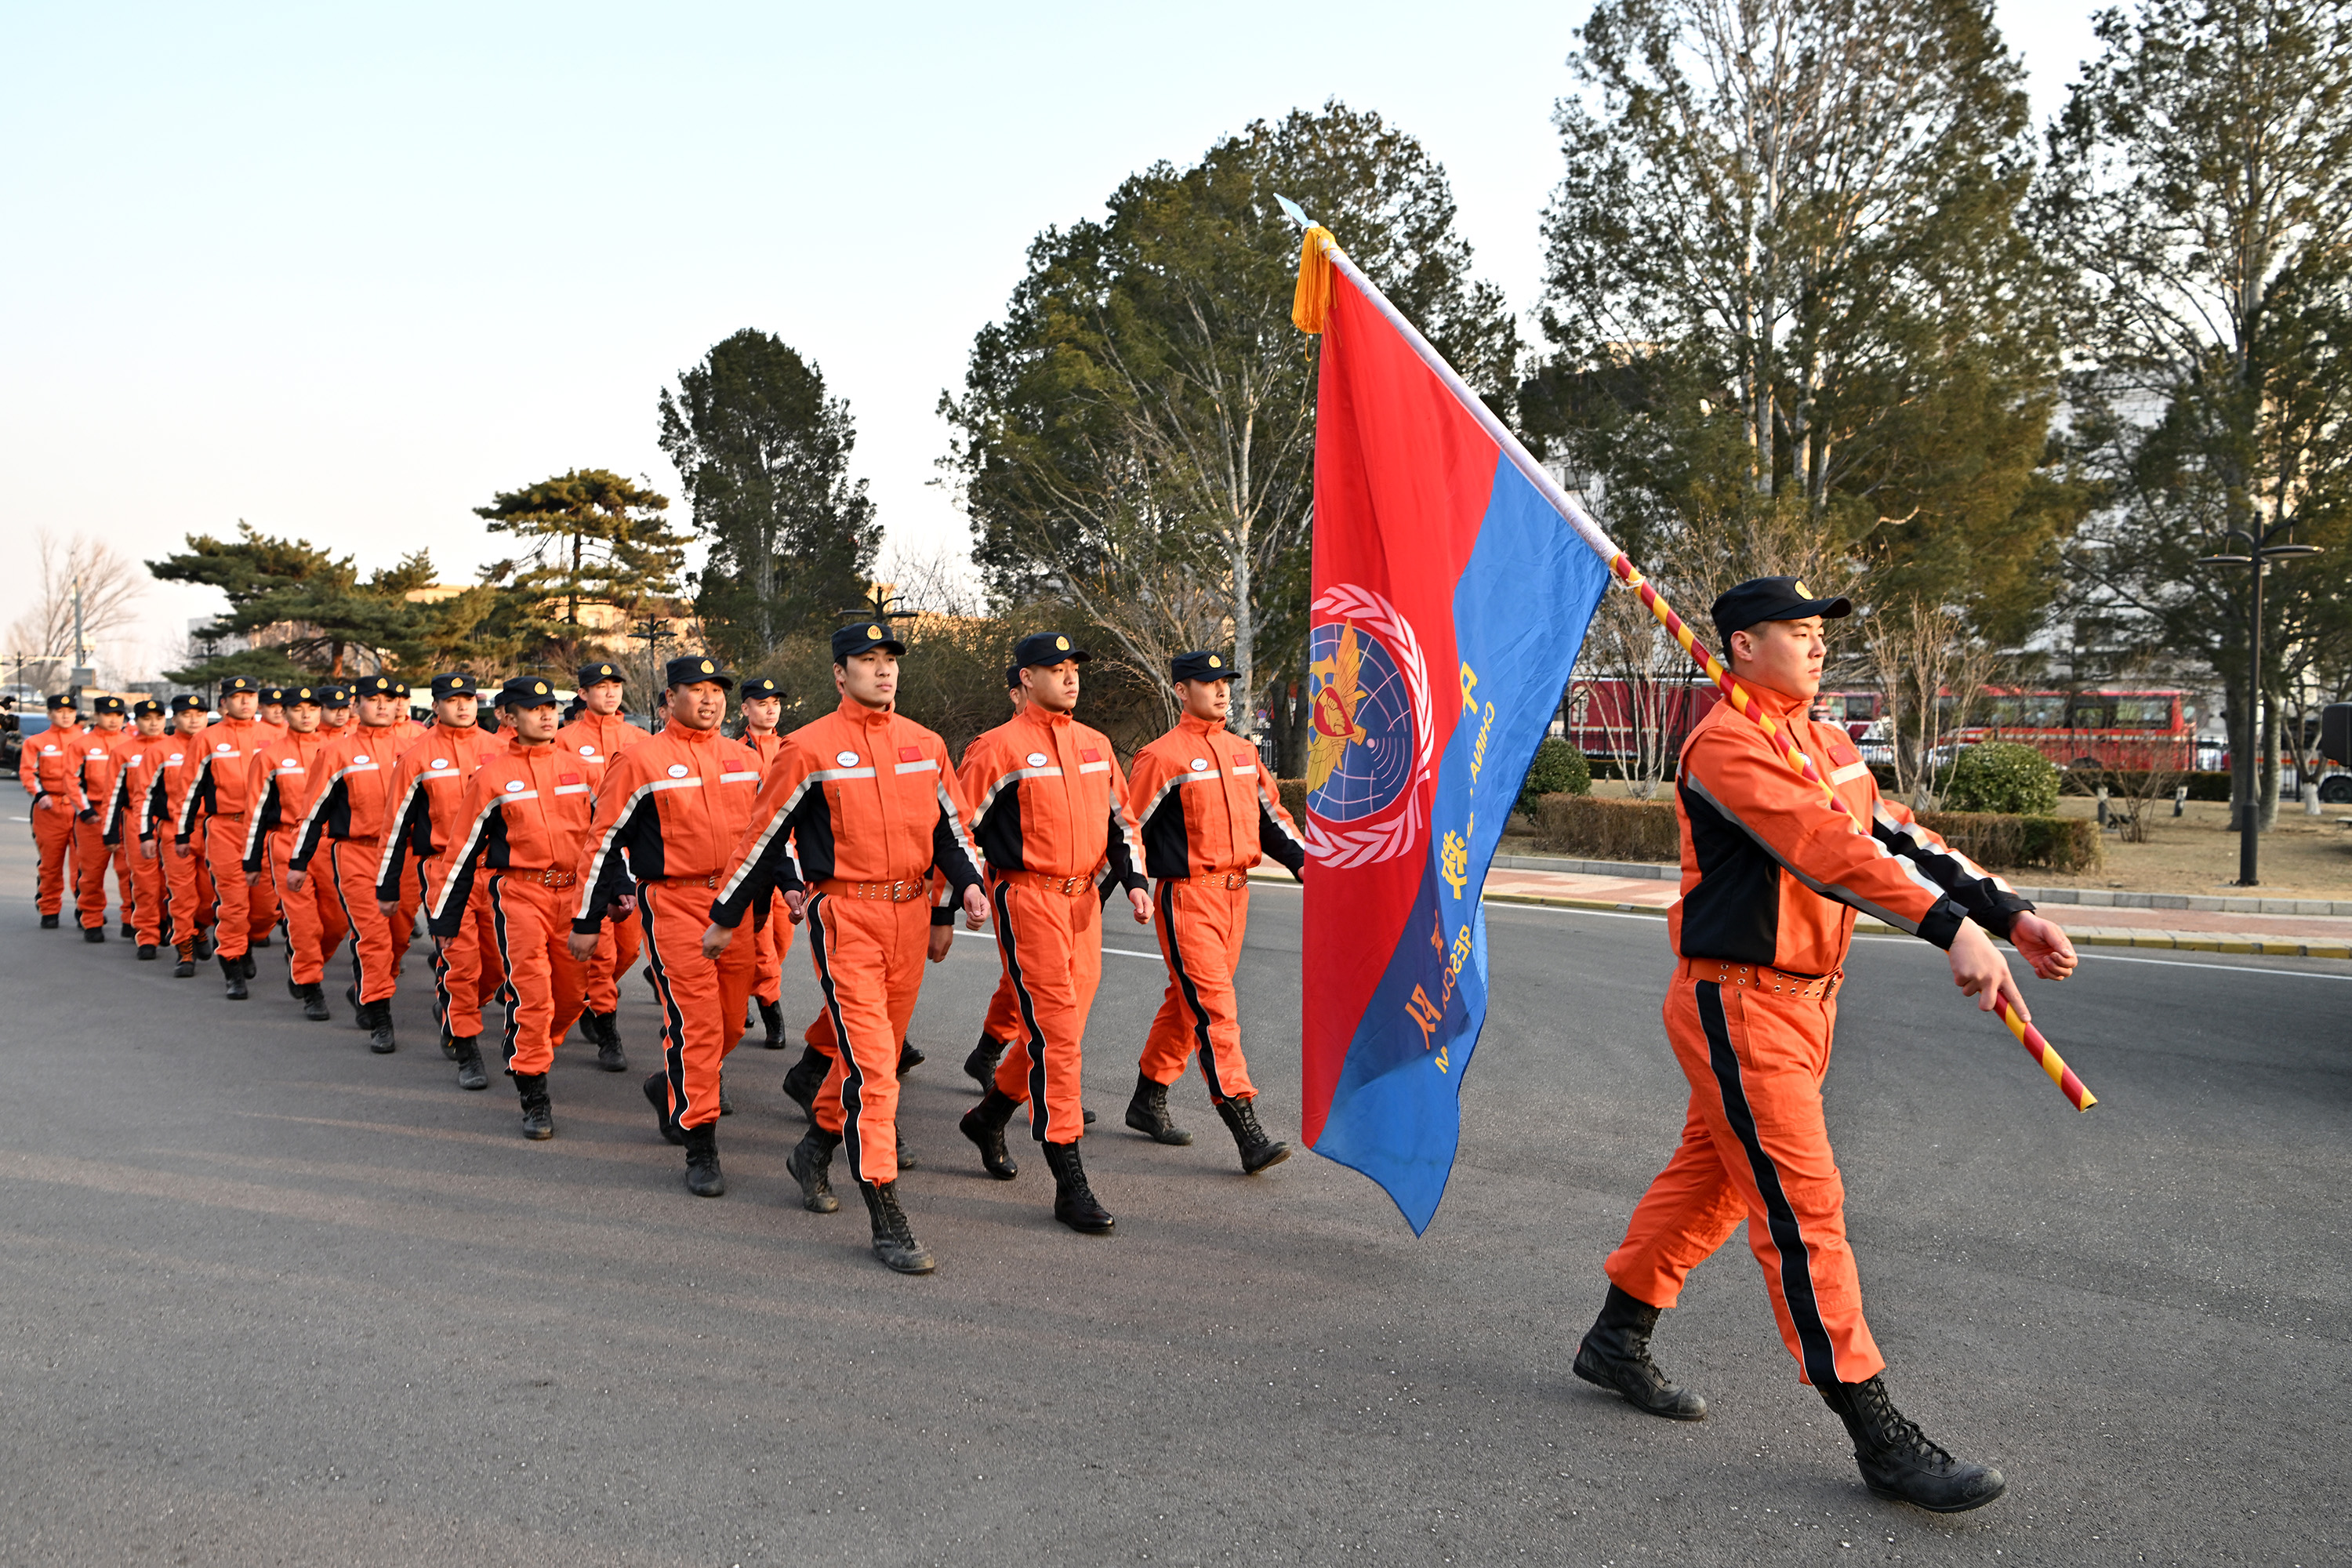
1319	242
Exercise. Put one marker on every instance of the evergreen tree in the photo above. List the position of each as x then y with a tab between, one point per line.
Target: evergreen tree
592	538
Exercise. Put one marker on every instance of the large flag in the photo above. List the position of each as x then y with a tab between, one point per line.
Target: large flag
1449	600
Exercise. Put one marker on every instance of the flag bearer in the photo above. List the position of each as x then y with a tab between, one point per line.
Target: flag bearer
187	881
139	756
669	812
850	824
425	819
1206	814
280	790
1772	874
526	814
596	735
1049	806
762	702
347	815
101	761
224	770
50	769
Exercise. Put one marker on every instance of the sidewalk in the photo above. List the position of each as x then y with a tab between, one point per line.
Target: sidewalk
2177	923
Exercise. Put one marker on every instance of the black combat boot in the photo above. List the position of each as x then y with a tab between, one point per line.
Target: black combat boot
233	971
909	1059
146	952
894	1238
379	1029
657	1093
806	1076
704	1179
48	922
1257	1149
1615	1355
1147	1112
1897	1460
185	968
471	1073
538	1115
980	1065
204	943
1073	1200
772	1018
313	998
129	931
603	1031
985	1125
811	1164
448	1044
906	1160
252	970
93	934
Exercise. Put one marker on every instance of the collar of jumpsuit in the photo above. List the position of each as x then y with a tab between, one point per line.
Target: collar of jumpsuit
856	712
1778	704
1202	727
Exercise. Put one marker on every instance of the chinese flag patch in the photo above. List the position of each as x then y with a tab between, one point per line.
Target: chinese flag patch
1090	755
910	754
567	778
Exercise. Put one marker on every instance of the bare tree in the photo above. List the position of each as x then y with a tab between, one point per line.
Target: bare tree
109	588
1931	670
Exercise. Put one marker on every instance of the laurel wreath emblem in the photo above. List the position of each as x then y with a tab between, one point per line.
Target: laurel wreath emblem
1345	847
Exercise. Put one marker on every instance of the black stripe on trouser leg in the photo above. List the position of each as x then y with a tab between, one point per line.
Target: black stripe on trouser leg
1191	992
359	966
1788	1238
1038	1113
853	1081
673	1018
509	995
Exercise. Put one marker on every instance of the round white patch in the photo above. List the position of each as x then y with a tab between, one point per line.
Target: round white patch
1036	758
359	756
845	759
440	762
587	750
289	762
514	787
1200	764
222	750
677	769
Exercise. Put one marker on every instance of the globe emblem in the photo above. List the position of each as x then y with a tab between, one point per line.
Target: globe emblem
1360	748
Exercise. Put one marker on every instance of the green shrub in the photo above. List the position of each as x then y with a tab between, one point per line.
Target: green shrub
1558	769
2003	776
2002	841
1596	829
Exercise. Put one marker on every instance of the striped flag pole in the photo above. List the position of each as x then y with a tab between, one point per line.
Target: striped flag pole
1320	249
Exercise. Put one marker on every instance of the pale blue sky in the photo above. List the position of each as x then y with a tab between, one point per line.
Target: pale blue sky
346	271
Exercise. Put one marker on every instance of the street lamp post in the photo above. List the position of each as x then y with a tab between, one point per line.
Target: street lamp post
2261	552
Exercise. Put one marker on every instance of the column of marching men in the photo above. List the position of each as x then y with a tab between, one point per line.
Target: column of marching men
547	856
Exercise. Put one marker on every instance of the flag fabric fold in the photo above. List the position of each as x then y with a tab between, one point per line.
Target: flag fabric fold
1447	605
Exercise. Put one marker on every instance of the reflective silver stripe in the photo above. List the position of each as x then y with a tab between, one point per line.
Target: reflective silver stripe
571	789
182	824
1850	772
1843	895
759	850
1277	816
620	819
457	862
691	780
395	828
979	812
739	778
255	812
929	765
1931	844
955	825
1094	767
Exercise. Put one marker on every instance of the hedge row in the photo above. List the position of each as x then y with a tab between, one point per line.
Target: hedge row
1596	829
2202	786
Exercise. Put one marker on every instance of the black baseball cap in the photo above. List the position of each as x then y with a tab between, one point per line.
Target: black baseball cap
590	675
1046	647
527	691
273	694
761	686
191	702
304	695
864	638
60	699
1012	677
107	705
375	685
1763	599
693	667
334	697
144	706
454	684
237	683
1199	666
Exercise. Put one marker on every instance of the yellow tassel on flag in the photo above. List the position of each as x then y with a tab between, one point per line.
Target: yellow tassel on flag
1312	302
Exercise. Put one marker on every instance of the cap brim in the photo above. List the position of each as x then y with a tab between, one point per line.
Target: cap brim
1835	609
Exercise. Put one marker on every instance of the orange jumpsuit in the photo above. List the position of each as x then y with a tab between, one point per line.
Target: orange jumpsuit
279	793
126	823
220	790
1049	807
49	767
428	791
347	815
187	880
525	832
101	765
668	814
597	739
859	809
1772	874
1206	815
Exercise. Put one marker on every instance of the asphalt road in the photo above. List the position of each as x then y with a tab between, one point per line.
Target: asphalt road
264	1298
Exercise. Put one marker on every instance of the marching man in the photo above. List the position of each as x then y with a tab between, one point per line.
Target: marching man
762	702
597	736
187	882
1772	875
850	824
49	767
669	812
102	749
139	755
224	770
1049	807
1207	815
280	790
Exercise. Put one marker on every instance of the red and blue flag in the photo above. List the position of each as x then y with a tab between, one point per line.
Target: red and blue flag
1448	603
